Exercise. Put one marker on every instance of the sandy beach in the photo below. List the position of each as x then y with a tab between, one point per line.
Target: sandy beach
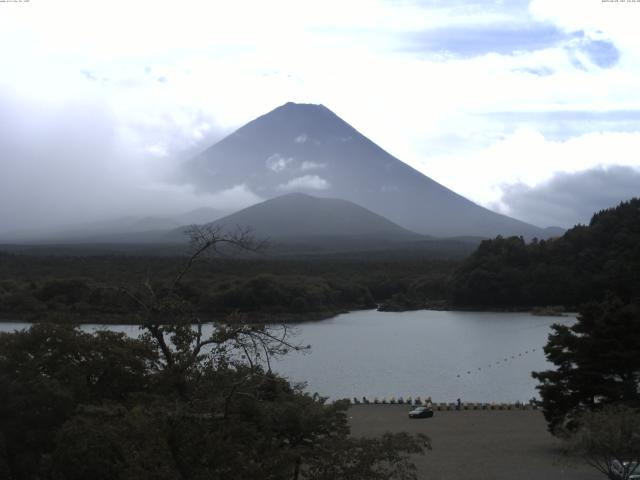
478	444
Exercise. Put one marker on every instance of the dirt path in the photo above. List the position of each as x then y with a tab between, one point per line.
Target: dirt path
478	444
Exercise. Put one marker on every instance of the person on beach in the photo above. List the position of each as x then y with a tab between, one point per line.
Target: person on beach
459	404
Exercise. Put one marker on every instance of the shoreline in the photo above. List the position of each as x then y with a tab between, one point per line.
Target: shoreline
447	406
126	319
544	311
260	318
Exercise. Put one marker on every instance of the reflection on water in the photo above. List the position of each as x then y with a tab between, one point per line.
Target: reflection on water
475	356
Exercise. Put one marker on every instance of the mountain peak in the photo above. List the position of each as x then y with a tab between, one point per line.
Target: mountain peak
306	106
301	124
295	196
305	113
306	147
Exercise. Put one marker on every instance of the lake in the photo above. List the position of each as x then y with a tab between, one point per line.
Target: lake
475	356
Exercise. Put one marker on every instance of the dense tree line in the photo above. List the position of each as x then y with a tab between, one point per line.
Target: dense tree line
583	265
63	288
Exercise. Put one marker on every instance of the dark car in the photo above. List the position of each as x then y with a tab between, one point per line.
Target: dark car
632	469
421	412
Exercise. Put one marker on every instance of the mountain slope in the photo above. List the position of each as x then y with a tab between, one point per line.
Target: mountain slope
303	147
327	222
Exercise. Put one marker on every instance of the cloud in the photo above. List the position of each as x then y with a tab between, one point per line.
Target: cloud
277	163
527	157
223	69
158	150
584	49
308	165
614	21
89	75
234	198
229	199
602	52
74	161
302	138
561	125
306	182
570	198
541	71
515	5
610	27
474	40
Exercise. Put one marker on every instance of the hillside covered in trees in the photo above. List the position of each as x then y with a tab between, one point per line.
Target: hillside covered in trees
585	264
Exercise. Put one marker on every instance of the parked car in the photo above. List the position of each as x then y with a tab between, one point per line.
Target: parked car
620	468
421	412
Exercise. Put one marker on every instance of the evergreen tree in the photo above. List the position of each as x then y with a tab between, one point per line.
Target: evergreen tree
585	264
597	363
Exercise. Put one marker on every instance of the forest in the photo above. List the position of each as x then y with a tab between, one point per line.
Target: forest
89	287
585	264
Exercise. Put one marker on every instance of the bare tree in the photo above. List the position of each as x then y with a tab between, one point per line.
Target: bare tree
609	440
178	330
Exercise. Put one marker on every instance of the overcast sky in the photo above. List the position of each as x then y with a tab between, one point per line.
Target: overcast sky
518	105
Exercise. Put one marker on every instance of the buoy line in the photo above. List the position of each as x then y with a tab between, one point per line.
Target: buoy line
501	361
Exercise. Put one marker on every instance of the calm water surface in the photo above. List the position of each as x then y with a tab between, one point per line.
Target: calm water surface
475	356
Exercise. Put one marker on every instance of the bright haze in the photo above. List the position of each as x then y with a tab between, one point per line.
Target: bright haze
528	108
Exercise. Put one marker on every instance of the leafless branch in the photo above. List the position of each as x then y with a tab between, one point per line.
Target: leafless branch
204	238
